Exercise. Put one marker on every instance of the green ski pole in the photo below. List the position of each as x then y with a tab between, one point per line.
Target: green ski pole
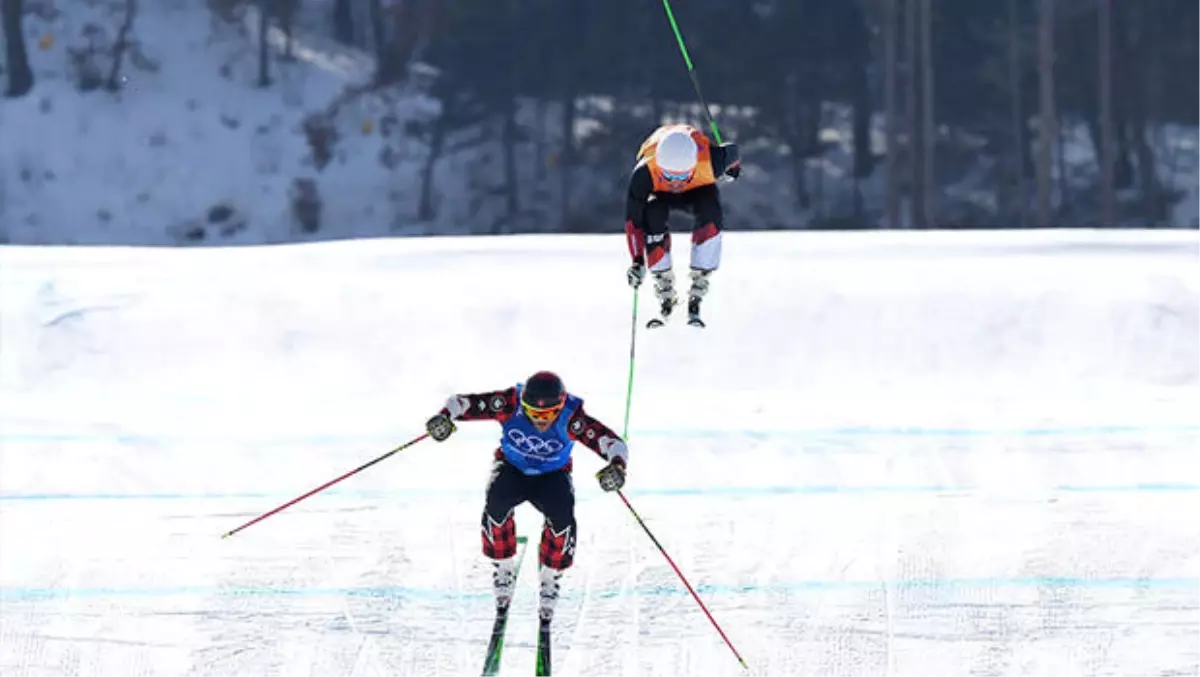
691	70
632	349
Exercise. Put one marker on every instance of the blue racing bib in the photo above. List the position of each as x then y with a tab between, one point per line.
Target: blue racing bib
532	451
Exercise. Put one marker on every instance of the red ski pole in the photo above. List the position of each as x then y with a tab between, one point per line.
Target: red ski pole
684	579
328	484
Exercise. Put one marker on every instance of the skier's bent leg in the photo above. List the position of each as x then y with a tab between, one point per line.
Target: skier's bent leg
706	243
658	253
706	235
499	527
556	501
558	545
658	239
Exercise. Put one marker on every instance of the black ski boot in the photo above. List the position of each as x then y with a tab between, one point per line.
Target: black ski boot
664	288
696	295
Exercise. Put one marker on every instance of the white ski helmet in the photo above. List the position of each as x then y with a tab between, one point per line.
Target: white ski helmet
676	154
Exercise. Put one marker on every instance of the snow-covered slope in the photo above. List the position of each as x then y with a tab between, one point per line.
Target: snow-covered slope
901	454
932	325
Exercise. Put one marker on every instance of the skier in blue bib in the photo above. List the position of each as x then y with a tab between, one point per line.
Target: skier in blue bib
539	425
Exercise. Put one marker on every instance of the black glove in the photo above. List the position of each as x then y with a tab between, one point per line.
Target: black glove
440	427
612	476
733	159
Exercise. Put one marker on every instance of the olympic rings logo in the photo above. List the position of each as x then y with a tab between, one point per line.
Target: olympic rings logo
534	447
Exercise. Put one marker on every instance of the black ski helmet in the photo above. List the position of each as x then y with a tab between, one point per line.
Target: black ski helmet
543	390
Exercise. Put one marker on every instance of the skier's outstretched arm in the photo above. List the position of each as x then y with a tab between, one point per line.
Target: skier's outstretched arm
489	406
596	436
497	405
606	443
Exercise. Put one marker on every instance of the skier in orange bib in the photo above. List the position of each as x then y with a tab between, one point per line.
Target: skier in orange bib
677	168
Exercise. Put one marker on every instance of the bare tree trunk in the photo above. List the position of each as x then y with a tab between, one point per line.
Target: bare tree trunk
1153	79
414	24
890	114
862	108
378	39
864	159
1046	125
653	81
539	140
343	22
1139	122
264	22
512	183
1066	203
570	19
20	75
800	119
426	211
114	74
509	134
913	113
1146	165
287	23
1017	112
819	190
806	144
1123	169
430	14
566	156
928	151
1107	182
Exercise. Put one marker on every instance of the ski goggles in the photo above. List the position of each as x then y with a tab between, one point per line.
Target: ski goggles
542	414
677	177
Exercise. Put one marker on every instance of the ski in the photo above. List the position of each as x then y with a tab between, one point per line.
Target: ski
693	321
693	316
491	664
495	649
664	313
543	648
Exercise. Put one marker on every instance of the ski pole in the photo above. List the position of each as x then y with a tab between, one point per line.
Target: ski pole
684	579
328	484
625	435
691	70
632	348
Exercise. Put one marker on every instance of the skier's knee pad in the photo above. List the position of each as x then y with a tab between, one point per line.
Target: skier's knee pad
558	546
499	538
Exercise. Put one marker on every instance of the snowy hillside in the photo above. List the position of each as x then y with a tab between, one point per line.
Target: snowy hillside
189	132
889	453
191	151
